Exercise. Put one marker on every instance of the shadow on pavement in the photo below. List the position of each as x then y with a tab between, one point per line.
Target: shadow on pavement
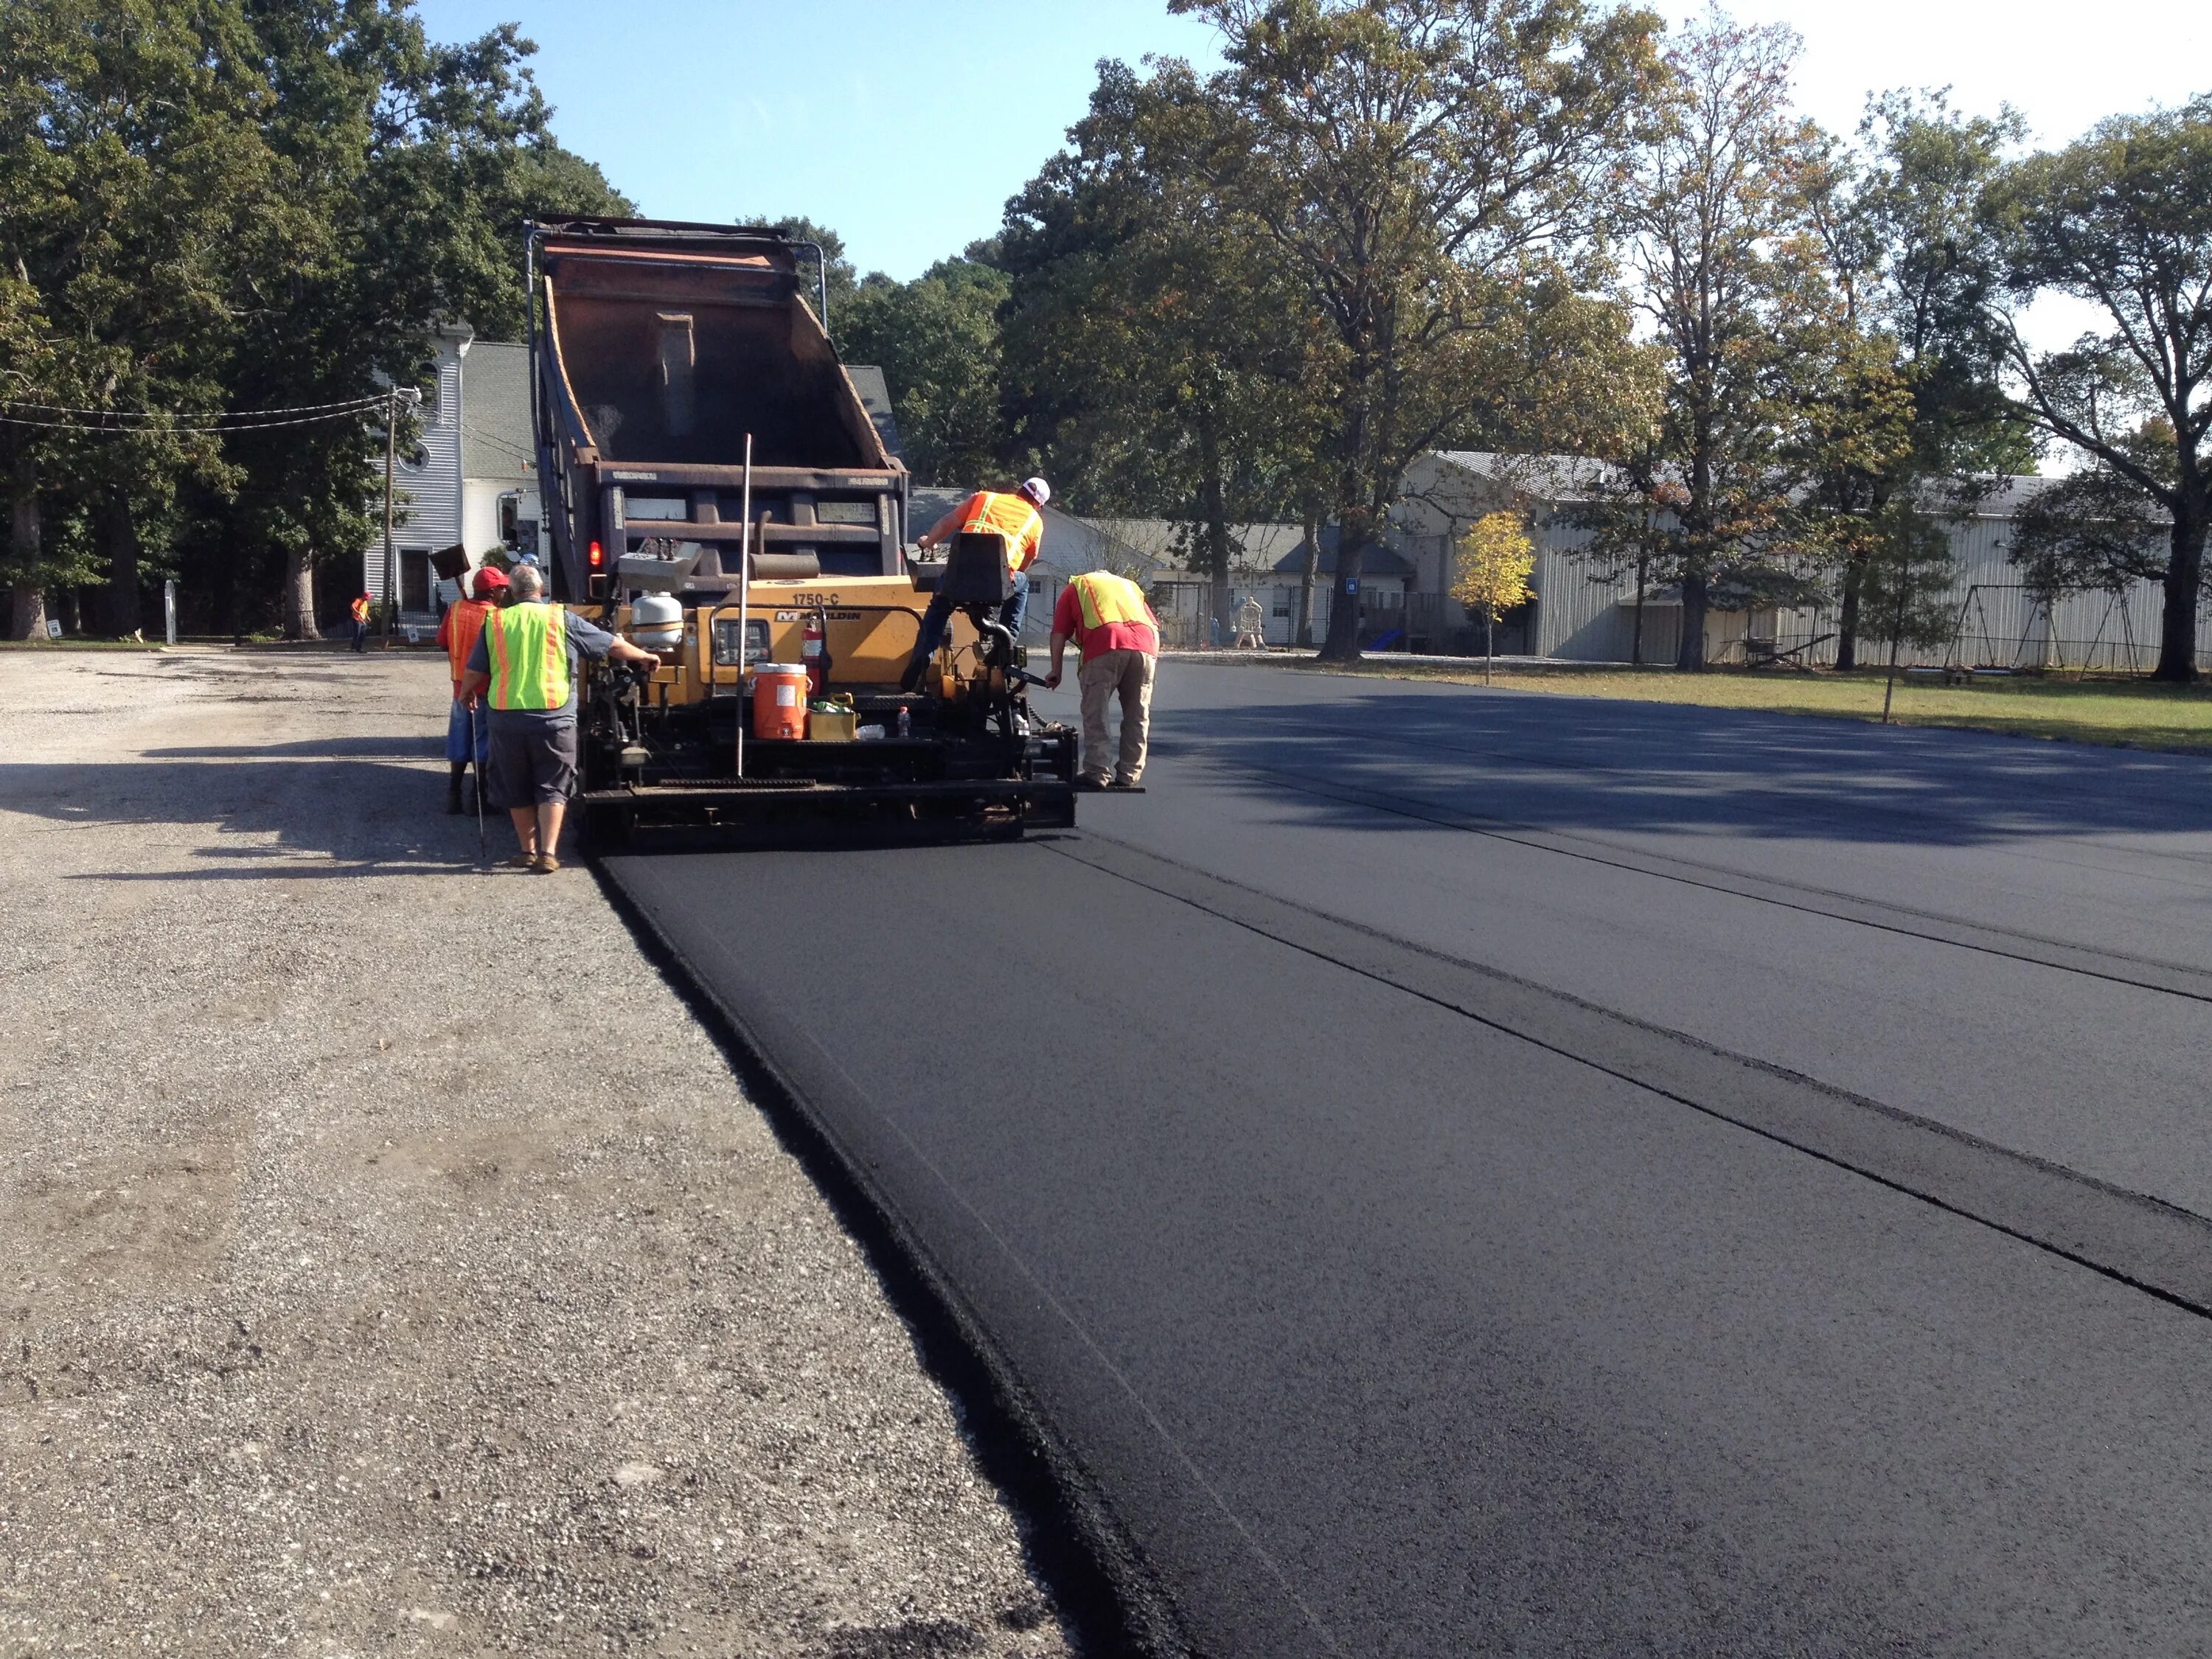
367	817
1563	763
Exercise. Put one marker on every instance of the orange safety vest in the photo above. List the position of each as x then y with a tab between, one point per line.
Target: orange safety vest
1113	614
1013	519
361	609
458	633
1106	598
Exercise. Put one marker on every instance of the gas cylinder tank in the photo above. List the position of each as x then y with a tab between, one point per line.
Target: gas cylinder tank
656	622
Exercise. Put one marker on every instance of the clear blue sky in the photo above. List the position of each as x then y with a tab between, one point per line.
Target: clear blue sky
904	125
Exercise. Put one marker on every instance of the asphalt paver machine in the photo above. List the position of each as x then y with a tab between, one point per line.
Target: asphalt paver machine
716	490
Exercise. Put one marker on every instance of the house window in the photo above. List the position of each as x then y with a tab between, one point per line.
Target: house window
1036	585
1282	604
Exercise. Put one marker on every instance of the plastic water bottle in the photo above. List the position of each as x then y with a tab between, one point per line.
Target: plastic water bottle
905	722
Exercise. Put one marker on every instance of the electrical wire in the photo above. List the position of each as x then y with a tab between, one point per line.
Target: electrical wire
133	431
165	415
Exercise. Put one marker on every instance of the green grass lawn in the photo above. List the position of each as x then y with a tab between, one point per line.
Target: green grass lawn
2128	714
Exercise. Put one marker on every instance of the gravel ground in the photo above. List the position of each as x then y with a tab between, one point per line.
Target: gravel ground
350	1302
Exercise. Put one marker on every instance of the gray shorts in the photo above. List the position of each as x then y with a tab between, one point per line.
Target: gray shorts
532	763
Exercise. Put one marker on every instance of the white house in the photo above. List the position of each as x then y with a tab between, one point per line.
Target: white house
426	490
499	462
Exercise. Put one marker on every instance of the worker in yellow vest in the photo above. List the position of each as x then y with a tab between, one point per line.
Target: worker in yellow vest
1118	639
1016	518
525	667
359	611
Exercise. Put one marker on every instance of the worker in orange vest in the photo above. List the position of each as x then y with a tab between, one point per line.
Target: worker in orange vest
467	734
1016	518
1118	639
360	609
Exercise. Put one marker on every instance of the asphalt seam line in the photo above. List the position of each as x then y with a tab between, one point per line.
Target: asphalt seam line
2144	1242
2143	973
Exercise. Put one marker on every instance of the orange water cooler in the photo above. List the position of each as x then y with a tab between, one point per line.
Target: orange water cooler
780	700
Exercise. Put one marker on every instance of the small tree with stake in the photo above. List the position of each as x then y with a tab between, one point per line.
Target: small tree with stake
1496	557
1906	588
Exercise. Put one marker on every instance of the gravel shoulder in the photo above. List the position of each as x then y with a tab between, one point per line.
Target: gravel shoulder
389	1262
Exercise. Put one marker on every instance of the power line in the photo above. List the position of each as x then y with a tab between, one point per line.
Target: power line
343	405
136	431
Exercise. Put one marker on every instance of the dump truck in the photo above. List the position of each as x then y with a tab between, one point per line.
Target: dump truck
717	490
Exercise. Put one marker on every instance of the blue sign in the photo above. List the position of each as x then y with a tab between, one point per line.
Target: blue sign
1351	584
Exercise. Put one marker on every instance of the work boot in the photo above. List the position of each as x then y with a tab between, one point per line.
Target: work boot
453	806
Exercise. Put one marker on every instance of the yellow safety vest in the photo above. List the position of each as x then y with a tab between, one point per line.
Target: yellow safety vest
527	646
1106	598
1013	519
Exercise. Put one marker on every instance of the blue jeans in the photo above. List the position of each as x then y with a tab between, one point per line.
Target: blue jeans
939	617
458	735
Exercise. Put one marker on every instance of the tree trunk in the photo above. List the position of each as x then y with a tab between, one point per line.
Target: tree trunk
1309	569
118	533
1342	643
2185	576
1847	619
1212	505
1636	633
1691	652
300	596
27	620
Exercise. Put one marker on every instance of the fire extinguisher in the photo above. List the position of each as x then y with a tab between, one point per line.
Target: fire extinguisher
814	651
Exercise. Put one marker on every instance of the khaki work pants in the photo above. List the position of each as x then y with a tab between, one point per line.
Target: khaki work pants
1126	675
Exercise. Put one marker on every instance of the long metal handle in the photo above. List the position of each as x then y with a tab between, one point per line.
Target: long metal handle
744	599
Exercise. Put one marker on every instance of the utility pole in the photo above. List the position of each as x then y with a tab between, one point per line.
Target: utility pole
391	448
412	399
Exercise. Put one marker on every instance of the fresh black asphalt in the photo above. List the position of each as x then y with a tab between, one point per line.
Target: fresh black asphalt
1460	1172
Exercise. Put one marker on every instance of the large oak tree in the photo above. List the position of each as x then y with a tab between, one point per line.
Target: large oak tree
1427	171
2123	220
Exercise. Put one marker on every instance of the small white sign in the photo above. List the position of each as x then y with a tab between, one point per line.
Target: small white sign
53	627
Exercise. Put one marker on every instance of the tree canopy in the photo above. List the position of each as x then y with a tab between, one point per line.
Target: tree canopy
213	207
2123	220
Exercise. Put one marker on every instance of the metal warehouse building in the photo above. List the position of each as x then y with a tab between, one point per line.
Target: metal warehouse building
1585	611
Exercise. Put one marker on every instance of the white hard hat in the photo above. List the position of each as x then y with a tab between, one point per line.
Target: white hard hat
1037	490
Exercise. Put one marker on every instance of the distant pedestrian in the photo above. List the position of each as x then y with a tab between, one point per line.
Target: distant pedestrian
525	665
360	622
1118	638
468	737
1251	625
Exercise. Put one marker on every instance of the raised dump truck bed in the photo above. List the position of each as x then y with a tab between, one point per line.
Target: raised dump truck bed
657	349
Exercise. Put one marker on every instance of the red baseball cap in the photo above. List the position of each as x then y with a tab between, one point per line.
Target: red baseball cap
489	577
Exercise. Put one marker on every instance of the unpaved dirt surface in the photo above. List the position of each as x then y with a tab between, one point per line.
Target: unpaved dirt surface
389	1264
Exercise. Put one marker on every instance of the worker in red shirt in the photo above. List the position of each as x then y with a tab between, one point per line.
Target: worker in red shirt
1118	638
467	734
1016	518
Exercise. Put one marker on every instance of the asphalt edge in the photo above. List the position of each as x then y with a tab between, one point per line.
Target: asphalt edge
1099	1587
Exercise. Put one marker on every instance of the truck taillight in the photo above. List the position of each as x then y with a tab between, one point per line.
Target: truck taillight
598	557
